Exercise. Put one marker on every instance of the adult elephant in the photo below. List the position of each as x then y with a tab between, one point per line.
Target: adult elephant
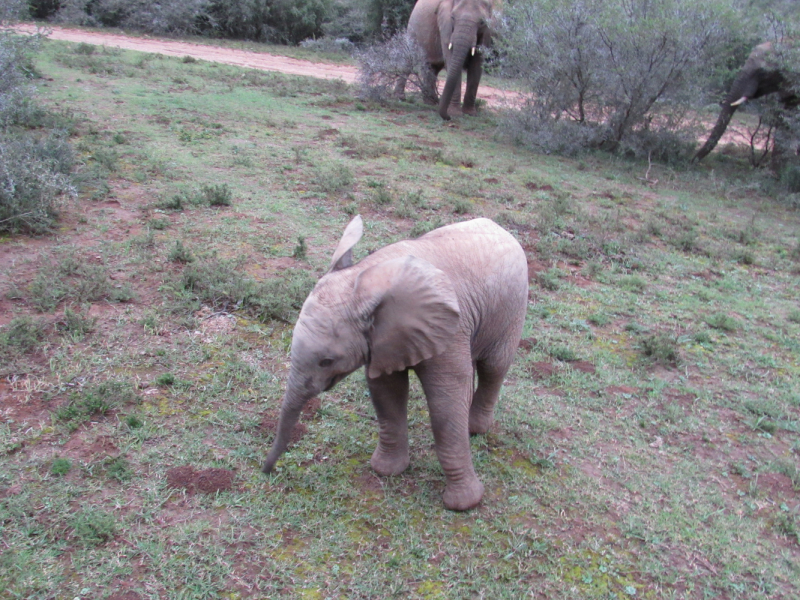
759	77
450	305
452	32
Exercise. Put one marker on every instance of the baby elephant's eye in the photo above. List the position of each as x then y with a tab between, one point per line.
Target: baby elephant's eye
326	362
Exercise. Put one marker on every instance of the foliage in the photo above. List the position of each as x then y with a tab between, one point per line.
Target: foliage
34	180
383	65
163	17
285	21
388	17
221	285
22	334
601	72
34	165
94	527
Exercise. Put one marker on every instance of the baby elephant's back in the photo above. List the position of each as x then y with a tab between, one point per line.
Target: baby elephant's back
489	270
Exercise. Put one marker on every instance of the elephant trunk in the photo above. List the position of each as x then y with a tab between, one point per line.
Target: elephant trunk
463	40
719	129
293	403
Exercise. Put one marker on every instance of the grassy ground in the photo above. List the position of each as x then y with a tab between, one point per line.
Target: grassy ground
646	442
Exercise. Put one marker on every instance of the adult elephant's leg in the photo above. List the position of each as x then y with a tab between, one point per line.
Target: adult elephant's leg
429	80
390	397
400	88
490	380
474	72
448	387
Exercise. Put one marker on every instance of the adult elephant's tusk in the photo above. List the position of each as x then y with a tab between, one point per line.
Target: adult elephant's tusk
450	46
741	100
473	51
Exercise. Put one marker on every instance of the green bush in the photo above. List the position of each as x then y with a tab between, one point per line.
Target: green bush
723	322
94	527
642	63
33	181
60	467
34	165
22	334
660	348
217	195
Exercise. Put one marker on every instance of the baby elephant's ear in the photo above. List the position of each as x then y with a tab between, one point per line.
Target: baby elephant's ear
343	257
414	311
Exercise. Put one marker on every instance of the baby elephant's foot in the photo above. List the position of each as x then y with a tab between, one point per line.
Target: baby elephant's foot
389	463
480	421
469	110
463	496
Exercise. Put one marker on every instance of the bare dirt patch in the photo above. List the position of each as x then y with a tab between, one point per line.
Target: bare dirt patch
207	481
542	370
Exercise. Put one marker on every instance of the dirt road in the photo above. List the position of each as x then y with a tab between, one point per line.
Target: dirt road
231	56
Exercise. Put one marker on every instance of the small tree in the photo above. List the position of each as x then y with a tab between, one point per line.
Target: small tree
383	65
34	165
388	17
614	67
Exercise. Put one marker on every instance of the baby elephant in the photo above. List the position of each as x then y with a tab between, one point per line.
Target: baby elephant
449	305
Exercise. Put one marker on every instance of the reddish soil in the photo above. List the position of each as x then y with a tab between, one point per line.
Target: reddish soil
542	370
207	481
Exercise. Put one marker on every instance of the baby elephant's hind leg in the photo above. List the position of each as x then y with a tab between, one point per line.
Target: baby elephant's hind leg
490	380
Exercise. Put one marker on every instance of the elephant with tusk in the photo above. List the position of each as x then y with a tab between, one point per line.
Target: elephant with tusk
451	33
759	77
450	305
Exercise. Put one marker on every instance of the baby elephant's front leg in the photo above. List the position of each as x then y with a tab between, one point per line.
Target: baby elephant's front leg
449	392
390	398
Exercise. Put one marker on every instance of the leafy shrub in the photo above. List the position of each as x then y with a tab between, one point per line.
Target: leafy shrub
301	249
34	168
76	324
601	71
383	65
180	253
387	17
22	334
563	353
723	322
164	16
165	380
217	195
33	181
60	467
660	348
94	527
333	177
328	45
119	468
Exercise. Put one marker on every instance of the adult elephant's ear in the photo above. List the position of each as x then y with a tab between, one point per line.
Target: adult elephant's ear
343	256
414	312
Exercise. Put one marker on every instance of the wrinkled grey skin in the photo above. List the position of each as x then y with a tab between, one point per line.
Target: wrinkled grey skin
451	33
759	77
449	305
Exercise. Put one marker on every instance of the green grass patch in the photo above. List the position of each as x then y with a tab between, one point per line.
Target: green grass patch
673	436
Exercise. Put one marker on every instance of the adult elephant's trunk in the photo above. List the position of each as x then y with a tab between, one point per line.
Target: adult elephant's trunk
464	40
293	403
719	129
